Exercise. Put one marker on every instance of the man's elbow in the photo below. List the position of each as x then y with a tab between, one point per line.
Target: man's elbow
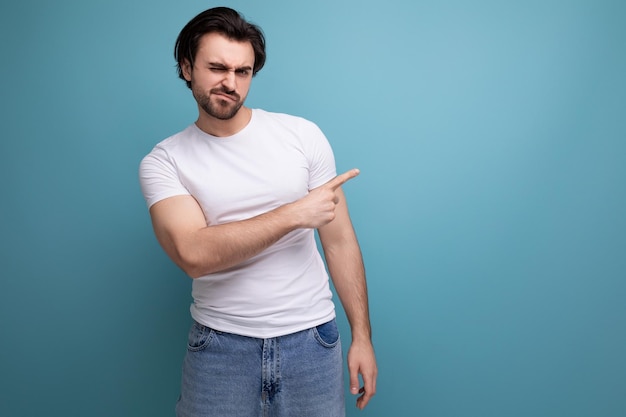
191	265
195	269
195	263
194	273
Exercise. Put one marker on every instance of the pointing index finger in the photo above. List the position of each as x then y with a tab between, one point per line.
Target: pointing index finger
339	180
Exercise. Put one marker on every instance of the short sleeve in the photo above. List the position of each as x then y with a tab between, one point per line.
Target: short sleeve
158	177
319	153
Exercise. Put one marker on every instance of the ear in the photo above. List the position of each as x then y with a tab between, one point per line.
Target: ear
186	68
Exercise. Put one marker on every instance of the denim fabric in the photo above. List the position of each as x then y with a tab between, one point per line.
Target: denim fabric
298	375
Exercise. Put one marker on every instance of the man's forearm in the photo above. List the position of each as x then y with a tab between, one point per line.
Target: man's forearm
201	250
346	268
215	248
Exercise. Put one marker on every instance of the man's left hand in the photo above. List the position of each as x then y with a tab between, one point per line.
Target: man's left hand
362	361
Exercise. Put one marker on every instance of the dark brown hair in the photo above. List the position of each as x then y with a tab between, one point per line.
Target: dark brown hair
225	21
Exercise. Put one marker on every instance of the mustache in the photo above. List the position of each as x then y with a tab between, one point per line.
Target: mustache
223	90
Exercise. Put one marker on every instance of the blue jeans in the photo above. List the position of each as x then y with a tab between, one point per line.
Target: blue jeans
297	375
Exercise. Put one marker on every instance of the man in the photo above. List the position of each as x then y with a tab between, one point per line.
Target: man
234	200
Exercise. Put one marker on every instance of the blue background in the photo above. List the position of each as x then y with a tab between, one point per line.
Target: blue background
490	208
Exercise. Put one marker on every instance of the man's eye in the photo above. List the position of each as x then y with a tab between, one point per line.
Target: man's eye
217	69
243	72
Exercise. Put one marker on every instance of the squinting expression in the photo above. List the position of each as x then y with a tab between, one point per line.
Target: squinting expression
220	78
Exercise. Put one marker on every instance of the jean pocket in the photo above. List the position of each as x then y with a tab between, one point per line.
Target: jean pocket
199	337
327	334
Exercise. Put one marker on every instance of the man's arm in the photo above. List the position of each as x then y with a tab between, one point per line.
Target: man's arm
345	265
198	249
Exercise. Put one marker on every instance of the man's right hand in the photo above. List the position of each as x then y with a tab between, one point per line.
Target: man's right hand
317	208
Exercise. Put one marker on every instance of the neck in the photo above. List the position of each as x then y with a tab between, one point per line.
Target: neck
223	128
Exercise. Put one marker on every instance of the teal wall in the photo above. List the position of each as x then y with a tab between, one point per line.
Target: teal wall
491	136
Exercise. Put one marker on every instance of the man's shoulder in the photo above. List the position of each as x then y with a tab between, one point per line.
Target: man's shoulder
285	119
176	139
170	146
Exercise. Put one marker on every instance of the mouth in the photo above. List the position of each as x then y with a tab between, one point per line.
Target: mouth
227	96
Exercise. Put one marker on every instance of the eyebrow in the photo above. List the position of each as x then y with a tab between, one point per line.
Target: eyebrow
220	65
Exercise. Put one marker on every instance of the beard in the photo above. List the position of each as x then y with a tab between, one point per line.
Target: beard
214	106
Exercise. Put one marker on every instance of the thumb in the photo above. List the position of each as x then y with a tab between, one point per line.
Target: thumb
354	380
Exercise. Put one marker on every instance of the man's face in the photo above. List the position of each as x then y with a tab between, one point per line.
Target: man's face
220	78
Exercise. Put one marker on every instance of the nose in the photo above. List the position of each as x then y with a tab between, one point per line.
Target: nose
229	81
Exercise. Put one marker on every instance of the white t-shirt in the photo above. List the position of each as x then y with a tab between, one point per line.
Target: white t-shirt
276	159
